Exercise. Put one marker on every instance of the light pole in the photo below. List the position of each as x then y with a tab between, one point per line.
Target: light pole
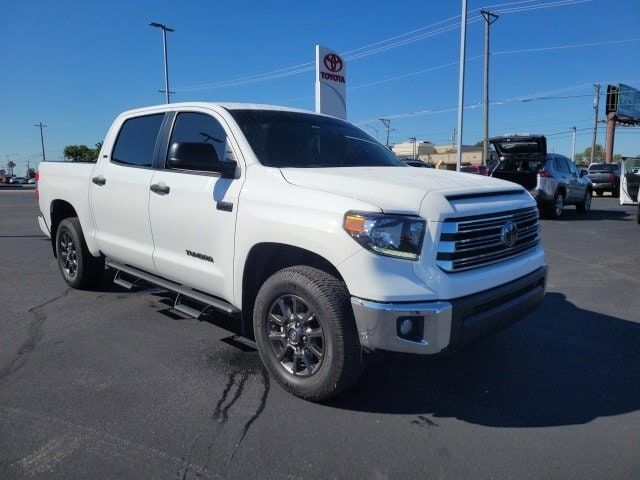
489	18
164	29
596	105
573	145
463	51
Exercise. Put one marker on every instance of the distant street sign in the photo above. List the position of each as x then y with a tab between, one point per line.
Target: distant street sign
624	101
331	83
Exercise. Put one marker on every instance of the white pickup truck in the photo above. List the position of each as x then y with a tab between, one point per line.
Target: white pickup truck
315	236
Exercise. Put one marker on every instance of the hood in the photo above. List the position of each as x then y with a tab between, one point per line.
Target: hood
393	189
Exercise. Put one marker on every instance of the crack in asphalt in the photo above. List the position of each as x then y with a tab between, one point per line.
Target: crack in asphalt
34	336
266	385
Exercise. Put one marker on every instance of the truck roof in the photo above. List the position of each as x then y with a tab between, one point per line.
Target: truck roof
225	105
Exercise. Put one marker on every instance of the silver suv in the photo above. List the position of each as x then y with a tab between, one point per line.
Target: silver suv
552	179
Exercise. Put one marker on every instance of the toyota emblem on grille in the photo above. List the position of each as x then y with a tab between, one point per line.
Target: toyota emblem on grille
509	234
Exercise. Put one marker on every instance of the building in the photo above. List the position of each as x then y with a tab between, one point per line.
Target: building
443	155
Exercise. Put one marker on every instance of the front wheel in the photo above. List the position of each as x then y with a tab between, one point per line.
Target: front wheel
558	205
585	205
79	268
306	334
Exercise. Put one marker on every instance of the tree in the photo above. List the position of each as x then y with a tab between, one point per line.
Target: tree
584	158
82	153
480	143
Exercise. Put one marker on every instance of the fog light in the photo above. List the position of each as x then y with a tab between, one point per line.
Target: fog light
406	326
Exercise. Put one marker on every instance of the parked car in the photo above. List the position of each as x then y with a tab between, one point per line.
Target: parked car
31	181
418	163
605	177
18	180
318	240
552	179
477	169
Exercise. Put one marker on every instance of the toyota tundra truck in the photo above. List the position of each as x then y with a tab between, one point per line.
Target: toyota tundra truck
314	236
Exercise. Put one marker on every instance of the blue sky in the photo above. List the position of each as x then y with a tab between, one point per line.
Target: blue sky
76	65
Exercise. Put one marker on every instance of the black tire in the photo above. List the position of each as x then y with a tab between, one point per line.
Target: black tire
78	267
555	211
615	192
328	305
638	217
585	205
599	192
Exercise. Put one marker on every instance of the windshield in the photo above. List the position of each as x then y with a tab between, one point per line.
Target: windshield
303	140
604	167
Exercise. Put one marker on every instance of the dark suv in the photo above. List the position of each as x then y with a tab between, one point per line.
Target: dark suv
605	177
552	179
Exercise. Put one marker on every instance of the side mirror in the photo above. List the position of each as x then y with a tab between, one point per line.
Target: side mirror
582	173
198	156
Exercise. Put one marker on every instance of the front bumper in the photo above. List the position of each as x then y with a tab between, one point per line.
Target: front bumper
603	185
447	325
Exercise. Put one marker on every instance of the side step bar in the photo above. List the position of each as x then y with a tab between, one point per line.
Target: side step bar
181	290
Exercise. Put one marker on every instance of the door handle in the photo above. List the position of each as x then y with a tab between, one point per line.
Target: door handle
160	189
99	180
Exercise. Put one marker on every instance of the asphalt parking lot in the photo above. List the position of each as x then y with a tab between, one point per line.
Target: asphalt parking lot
114	384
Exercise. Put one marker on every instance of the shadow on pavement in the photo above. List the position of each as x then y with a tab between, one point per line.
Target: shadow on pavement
561	366
570	214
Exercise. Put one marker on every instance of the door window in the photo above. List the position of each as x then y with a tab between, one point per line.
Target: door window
137	141
193	127
563	164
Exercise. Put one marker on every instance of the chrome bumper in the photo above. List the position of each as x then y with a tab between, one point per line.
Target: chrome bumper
378	325
447	325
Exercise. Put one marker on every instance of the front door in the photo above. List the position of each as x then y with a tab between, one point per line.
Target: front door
120	193
193	213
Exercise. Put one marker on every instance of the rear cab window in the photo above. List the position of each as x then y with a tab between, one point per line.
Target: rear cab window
604	167
136	142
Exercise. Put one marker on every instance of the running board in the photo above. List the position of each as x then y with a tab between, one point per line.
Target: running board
181	290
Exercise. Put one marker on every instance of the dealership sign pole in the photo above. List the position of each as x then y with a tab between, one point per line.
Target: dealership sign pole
331	83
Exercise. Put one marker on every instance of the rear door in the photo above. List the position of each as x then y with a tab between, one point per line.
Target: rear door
120	193
521	157
193	215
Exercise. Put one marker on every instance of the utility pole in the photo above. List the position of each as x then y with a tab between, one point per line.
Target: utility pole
375	130
489	18
165	29
596	105
573	145
41	126
463	51
413	139
387	125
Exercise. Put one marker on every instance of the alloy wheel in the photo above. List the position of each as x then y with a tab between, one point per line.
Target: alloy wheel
295	334
68	254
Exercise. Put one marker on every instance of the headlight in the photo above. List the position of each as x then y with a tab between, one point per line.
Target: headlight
397	236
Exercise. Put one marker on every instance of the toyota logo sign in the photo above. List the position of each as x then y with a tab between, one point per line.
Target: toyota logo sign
333	62
509	234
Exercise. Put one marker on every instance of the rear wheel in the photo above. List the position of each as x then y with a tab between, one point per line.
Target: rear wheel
305	331
615	191
79	268
585	205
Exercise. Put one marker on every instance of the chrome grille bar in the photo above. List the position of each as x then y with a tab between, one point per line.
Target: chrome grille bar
473	242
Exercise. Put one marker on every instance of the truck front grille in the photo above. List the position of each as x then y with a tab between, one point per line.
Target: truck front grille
473	242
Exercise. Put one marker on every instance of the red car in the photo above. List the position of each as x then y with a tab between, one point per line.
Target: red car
477	169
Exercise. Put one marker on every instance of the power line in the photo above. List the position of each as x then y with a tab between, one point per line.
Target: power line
380	46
